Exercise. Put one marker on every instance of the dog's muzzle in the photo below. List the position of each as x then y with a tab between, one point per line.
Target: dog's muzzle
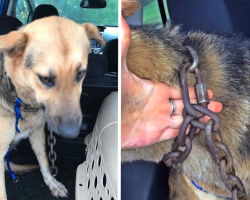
65	126
69	128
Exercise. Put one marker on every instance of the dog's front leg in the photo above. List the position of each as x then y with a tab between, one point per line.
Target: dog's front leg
7	130
3	150
37	140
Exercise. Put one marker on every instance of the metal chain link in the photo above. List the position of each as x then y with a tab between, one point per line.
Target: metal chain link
192	113
52	154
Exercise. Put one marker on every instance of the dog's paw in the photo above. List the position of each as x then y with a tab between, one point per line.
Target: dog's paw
57	188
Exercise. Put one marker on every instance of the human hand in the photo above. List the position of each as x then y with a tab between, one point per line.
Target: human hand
145	107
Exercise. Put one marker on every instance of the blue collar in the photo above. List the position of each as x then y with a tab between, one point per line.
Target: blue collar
201	189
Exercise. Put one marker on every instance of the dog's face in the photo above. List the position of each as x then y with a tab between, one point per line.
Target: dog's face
48	58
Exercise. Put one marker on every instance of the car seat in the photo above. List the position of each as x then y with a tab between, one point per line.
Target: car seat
96	86
44	10
111	52
211	15
8	24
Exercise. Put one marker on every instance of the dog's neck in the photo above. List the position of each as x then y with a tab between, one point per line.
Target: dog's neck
3	82
26	96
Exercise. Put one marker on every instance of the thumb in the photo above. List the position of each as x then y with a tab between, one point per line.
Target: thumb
125	42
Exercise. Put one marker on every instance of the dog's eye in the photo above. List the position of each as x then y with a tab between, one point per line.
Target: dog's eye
80	75
46	80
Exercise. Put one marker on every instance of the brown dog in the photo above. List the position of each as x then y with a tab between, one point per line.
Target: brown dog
46	61
224	62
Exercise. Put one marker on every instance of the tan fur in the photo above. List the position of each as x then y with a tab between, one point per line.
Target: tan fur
180	189
13	41
202	195
129	7
49	45
20	169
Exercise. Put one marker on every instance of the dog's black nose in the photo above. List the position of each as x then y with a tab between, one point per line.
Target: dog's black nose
69	128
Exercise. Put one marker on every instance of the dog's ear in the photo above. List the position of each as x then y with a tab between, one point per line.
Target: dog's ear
129	7
93	32
13	44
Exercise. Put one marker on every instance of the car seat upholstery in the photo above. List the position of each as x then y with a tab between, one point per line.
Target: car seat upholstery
211	15
97	177
96	86
8	24
97	66
111	52
142	180
44	10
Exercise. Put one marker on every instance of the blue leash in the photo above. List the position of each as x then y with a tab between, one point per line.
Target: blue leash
18	116
8	165
201	189
18	113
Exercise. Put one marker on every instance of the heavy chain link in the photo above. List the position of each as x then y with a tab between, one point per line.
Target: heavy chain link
52	154
192	113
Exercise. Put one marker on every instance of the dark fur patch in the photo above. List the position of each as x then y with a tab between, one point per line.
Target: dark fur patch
52	73
29	61
79	65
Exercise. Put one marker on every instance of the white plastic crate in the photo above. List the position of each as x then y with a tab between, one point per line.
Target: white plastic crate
97	176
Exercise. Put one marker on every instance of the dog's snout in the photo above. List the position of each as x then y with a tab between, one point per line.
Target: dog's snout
69	127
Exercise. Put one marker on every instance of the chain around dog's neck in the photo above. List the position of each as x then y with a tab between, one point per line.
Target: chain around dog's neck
13	98
220	153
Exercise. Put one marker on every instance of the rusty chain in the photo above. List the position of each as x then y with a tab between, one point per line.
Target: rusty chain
52	153
192	113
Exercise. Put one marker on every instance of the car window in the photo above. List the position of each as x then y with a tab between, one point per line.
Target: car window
22	11
151	12
71	9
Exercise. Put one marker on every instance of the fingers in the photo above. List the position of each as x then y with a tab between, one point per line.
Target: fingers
175	121
175	93
168	134
179	105
215	106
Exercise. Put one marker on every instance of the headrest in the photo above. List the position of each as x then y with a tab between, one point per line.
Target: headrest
97	66
211	15
44	10
111	48
111	51
8	24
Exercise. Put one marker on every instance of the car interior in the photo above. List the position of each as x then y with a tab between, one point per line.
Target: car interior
101	80
148	181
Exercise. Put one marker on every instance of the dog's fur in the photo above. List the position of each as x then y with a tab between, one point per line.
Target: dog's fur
52	47
224	61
